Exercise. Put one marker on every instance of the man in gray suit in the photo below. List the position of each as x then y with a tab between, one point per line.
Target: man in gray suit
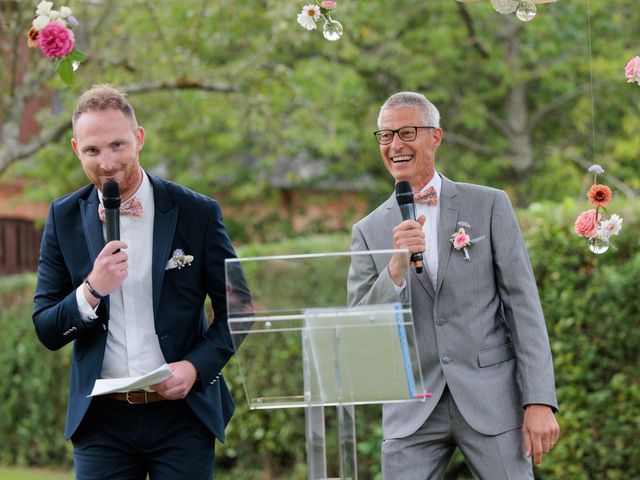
484	349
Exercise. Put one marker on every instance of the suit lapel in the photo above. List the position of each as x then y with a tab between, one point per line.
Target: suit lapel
449	207
395	218
91	224
164	227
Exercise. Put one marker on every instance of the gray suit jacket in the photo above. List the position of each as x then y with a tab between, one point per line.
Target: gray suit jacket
482	330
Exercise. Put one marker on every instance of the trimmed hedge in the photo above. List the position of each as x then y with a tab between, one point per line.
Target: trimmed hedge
592	309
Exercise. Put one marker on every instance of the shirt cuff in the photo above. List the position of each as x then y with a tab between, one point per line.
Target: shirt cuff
87	313
401	287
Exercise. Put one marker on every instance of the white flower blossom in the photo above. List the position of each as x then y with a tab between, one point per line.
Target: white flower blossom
611	227
65	12
40	22
44	8
308	17
54	15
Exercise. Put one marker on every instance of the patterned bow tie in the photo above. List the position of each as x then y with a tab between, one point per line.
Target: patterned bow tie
132	207
428	197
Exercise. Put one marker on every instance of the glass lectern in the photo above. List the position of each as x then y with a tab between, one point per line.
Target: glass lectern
299	344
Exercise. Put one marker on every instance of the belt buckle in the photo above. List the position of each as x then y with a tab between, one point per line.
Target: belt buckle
131	402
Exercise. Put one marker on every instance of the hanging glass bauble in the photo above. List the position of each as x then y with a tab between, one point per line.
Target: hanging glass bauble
504	6
526	10
332	30
598	245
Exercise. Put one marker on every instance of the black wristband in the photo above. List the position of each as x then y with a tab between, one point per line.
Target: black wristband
92	291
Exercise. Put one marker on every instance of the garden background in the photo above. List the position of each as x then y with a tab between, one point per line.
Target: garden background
240	103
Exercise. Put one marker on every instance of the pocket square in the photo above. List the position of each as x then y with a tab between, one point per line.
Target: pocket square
178	260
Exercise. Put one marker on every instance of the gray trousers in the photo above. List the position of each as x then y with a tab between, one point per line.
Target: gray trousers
426	454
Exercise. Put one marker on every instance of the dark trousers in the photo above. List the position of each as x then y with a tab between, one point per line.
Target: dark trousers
119	441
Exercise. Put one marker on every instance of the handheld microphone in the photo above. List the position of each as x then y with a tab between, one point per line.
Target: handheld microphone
111	202
404	197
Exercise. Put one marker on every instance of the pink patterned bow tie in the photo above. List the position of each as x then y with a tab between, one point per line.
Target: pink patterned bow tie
428	197
132	207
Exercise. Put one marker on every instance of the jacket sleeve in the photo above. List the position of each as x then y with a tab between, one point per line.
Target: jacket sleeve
215	348
56	317
522	308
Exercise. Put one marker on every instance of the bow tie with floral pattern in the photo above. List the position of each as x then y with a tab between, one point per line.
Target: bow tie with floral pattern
428	197
132	207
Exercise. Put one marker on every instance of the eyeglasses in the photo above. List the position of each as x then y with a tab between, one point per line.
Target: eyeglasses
406	134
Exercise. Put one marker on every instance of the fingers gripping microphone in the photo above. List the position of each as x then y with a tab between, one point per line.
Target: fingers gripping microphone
404	197
111	202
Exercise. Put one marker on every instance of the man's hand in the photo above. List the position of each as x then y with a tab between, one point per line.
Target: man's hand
109	270
408	235
541	431
179	384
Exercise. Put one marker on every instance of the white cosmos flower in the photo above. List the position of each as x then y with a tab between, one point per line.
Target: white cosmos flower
44	8
611	227
40	22
65	12
307	18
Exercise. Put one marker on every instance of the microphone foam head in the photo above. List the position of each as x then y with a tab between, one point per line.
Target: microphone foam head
111	195
404	194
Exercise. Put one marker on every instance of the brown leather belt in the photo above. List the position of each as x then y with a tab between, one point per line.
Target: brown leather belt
136	398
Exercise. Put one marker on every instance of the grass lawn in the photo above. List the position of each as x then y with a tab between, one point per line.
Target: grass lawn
7	473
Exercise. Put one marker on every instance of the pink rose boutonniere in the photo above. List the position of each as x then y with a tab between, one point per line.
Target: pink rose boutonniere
462	241
591	224
51	31
331	29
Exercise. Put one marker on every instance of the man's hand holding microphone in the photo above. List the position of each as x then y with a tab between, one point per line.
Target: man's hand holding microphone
111	265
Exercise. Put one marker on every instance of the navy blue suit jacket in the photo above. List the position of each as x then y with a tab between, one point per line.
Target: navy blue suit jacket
183	219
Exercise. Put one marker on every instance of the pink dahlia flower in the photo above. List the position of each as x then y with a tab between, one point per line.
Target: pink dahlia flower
56	40
587	224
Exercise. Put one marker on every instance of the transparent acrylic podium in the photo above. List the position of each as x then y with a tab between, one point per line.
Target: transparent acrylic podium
299	344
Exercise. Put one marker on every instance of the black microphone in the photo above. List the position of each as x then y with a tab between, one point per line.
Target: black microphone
111	203
404	197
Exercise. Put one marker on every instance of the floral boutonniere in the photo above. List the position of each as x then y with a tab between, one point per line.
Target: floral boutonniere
179	260
462	241
331	30
51	31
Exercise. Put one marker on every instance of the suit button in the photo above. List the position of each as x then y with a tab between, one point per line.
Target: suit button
445	360
104	327
440	321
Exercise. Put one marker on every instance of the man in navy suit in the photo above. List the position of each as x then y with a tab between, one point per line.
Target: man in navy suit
134	304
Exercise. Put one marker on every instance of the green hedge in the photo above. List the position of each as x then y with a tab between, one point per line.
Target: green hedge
592	308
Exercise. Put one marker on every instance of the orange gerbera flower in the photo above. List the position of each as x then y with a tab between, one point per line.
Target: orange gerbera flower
599	195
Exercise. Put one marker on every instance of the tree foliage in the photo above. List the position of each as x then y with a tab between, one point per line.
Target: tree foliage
230	91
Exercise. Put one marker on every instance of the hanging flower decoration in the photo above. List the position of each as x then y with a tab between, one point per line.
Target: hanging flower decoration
632	70
524	10
591	224
51	31
314	12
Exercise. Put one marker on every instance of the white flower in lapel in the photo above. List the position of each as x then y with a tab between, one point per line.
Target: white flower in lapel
179	260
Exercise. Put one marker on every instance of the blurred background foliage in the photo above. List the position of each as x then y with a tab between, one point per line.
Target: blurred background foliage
592	310
237	98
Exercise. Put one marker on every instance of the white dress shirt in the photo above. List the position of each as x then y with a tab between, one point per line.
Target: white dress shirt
132	344
430	229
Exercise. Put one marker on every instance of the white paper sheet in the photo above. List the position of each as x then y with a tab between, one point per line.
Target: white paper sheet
111	385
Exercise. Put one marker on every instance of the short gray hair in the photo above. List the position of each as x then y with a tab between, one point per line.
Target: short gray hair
429	112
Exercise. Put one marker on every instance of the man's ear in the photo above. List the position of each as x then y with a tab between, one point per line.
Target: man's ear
437	136
74	145
139	138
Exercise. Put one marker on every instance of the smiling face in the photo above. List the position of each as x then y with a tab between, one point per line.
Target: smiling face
108	144
412	161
